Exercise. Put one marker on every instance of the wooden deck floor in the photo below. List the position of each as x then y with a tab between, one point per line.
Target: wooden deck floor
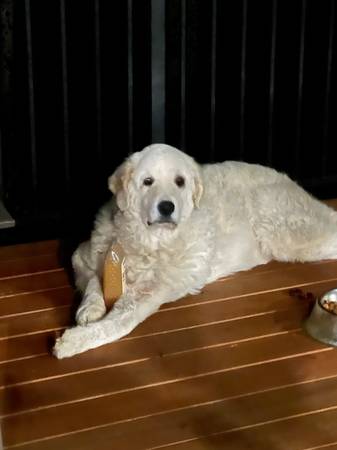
227	369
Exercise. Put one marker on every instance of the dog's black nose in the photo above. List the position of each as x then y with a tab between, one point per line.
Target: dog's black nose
166	208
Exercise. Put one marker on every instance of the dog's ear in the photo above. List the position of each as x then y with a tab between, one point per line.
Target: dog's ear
120	178
198	188
118	183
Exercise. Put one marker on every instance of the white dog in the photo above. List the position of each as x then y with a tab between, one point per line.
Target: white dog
182	226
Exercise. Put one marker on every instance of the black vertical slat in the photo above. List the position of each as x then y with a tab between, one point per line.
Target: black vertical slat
243	77
141	73
6	221
65	94
98	81
328	89
130	75
300	87
183	76
213	77
272	83
173	72
158	70
1	168
31	94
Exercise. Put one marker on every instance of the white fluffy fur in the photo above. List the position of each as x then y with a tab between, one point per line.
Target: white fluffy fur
228	217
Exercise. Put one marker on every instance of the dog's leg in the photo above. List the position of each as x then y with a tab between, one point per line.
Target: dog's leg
92	306
88	268
121	320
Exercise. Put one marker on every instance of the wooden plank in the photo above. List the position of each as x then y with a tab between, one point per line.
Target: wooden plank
217	416
29	303
30	346
153	430
11	252
33	344
226	309
100	438
166	320
132	404
33	283
37	322
149	371
311	430
129	350
332	446
31	265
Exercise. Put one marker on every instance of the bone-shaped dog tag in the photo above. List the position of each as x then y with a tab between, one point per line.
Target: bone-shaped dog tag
113	275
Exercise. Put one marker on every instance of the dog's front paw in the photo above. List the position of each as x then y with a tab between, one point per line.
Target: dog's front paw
90	313
80	339
70	343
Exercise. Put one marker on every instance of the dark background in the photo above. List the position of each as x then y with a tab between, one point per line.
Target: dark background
85	83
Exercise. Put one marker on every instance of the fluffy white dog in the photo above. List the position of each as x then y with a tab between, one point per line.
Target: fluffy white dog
182	226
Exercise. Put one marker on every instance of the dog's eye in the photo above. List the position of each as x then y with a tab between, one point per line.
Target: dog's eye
180	181
148	181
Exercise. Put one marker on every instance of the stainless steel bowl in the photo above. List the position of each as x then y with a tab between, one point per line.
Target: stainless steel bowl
322	323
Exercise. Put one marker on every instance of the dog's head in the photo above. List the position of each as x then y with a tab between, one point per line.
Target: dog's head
159	185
